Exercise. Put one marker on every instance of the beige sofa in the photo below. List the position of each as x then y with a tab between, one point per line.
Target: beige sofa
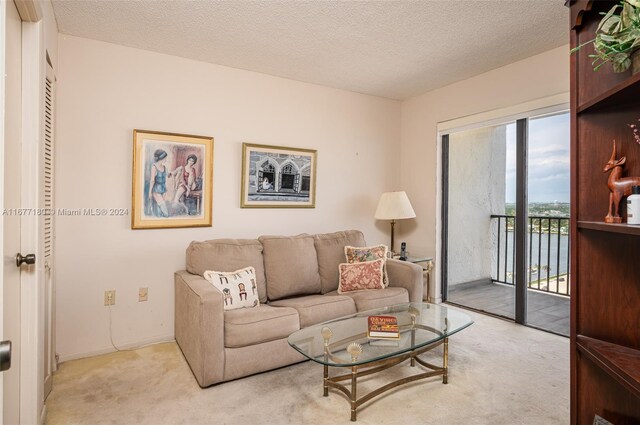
297	279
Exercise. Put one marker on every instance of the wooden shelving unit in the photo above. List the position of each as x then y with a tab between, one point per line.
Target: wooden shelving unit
605	274
625	92
626	229
622	363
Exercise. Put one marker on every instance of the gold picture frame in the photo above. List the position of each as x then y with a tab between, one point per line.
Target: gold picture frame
172	180
278	177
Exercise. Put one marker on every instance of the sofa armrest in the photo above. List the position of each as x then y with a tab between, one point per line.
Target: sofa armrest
199	326
406	275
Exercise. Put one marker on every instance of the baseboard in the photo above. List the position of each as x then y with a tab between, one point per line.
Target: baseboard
43	414
109	349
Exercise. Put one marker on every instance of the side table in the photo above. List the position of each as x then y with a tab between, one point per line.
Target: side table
427	265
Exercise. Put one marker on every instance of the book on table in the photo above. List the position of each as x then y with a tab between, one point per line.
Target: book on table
383	327
384	342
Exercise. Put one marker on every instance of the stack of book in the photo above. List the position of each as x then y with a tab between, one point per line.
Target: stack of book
383	330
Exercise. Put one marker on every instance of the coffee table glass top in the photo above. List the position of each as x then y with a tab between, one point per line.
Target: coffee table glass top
421	324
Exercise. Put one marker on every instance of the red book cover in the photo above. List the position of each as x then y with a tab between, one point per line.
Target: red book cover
383	327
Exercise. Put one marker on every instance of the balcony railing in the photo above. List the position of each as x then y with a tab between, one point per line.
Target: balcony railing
548	253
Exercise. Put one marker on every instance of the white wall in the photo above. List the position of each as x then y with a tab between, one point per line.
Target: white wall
539	76
477	170
50	32
105	91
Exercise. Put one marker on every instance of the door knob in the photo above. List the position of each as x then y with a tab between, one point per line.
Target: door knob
5	355
29	259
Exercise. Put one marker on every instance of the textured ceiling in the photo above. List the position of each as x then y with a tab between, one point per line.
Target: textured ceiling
394	49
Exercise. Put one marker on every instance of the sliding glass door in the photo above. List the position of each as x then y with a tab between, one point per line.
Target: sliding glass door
548	236
481	172
505	220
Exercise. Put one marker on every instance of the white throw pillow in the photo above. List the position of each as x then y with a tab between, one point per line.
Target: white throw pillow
238	288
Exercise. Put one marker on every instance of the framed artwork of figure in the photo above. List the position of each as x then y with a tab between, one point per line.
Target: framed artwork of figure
172	180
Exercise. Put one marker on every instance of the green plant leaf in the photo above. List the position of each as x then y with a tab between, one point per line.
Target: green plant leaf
627	15
606	37
575	49
608	25
621	66
607	16
617	36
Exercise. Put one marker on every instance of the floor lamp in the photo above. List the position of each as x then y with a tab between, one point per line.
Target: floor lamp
394	206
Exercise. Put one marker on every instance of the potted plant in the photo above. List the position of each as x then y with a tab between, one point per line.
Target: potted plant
617	38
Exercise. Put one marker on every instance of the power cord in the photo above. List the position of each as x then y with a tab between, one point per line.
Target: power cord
126	349
111	327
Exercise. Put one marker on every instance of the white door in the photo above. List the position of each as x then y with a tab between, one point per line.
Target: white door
47	233
11	209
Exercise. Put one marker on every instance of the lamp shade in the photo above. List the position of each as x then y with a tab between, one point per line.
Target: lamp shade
394	206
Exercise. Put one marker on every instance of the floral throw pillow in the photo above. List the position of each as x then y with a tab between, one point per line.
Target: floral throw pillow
359	276
238	288
357	254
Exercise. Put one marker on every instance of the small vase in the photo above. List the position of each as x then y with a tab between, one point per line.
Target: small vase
635	62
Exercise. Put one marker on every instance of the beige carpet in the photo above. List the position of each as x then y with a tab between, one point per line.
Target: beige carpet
500	373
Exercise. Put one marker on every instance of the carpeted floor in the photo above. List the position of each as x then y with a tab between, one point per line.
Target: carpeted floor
500	373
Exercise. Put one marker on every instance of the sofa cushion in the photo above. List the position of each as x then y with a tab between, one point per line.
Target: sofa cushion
238	288
368	300
360	276
330	249
314	309
227	255
290	265
355	254
249	326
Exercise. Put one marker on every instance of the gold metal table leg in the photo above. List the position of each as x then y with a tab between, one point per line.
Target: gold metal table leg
324	381
326	335
413	337
445	361
355	350
354	397
428	269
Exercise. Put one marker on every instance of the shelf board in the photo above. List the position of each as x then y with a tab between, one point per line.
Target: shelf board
623	228
622	363
626	91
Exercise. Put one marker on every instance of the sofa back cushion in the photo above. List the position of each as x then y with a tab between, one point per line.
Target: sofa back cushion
290	265
228	255
330	249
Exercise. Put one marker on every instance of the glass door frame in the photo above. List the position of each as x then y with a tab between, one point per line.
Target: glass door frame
520	225
522	214
522	220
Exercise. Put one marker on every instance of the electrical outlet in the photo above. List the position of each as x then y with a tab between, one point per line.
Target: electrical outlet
143	294
110	297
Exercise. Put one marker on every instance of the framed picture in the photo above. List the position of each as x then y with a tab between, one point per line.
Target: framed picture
172	180
278	177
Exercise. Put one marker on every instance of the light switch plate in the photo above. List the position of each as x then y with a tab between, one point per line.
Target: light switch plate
143	294
110	297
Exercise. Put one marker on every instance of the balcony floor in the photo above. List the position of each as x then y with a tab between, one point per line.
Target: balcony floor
545	311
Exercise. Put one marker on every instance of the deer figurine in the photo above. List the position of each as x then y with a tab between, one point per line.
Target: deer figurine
618	186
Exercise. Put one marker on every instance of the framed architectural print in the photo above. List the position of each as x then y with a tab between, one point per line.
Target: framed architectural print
278	177
172	180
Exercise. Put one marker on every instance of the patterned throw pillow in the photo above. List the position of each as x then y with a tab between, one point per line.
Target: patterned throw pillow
357	254
238	288
359	276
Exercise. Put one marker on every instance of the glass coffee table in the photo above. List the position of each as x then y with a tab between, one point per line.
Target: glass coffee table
343	343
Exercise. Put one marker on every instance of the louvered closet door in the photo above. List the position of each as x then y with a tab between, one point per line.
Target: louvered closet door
48	229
